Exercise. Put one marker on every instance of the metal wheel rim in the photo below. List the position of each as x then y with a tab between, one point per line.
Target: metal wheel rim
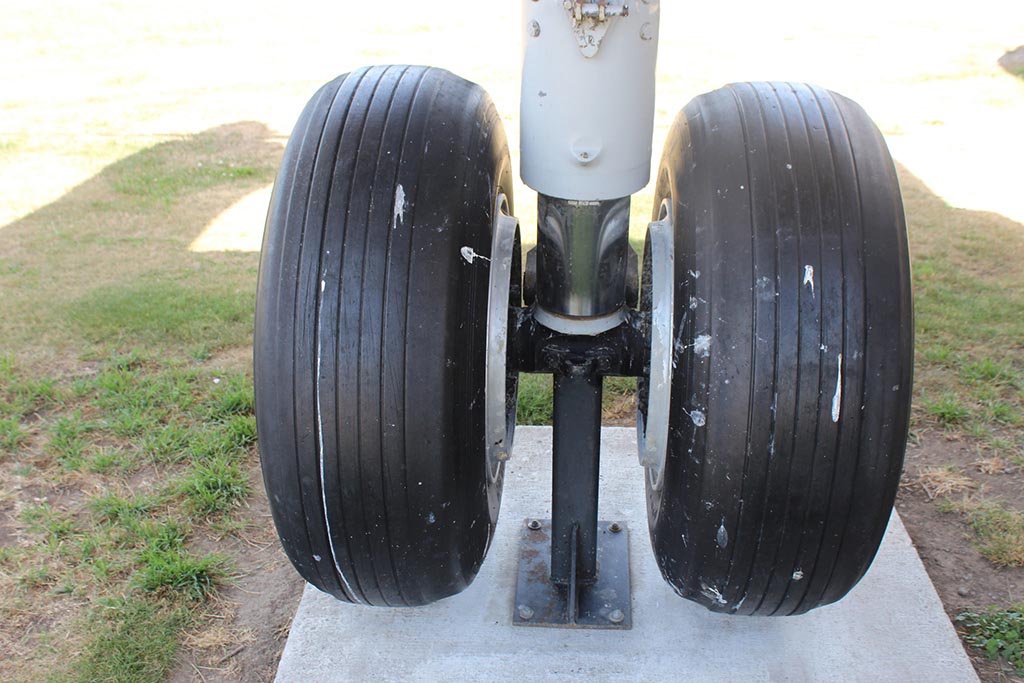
499	421
652	431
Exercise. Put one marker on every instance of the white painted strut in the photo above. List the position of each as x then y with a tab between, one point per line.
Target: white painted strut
587	103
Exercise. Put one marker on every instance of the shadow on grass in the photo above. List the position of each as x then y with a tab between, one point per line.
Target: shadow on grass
108	263
967	273
969	318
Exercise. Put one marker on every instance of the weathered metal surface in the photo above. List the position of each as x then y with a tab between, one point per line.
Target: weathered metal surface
603	604
654	388
590	22
586	122
575	470
500	388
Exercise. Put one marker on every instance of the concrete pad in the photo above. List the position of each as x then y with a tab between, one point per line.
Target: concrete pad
891	627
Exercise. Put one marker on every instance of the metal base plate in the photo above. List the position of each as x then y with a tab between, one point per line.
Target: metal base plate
604	604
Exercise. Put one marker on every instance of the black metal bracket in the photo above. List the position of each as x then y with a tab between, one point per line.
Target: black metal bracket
605	603
574	570
621	351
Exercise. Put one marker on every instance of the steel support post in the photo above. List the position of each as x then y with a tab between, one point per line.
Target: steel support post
574	477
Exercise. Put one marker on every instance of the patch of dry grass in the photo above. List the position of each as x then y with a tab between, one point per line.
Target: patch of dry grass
943	481
996	465
999	529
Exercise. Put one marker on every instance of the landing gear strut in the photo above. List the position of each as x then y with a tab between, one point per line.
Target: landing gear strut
768	324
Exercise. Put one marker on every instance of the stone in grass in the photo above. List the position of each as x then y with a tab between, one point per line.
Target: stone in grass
1013	61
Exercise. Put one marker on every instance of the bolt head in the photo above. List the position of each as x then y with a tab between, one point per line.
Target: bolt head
616	616
534	524
525	612
615	527
533	28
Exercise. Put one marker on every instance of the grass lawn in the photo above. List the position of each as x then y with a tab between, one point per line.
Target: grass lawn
127	442
136	146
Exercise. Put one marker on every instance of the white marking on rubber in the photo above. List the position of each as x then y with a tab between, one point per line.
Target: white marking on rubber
698	418
722	537
678	347
702	345
809	277
712	593
837	398
399	214
470	255
320	451
798	574
694	273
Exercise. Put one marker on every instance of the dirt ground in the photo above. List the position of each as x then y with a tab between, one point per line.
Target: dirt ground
255	610
961	576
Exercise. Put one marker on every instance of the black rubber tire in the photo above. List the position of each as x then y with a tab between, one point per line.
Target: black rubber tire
770	506
370	335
